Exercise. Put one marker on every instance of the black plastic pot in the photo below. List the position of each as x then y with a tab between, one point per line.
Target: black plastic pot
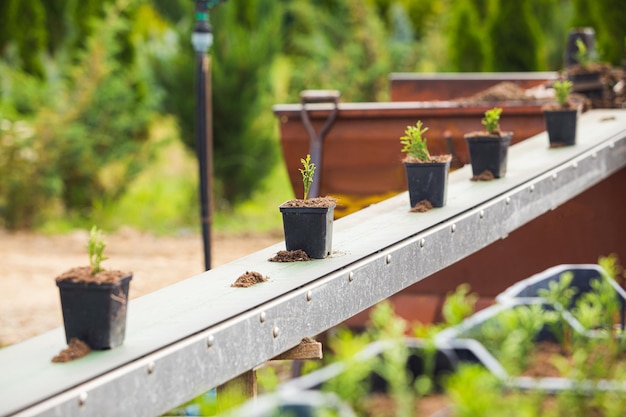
561	126
489	153
95	313
309	229
587	36
427	181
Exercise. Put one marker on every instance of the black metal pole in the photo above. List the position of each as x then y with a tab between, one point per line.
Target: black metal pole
202	39
202	150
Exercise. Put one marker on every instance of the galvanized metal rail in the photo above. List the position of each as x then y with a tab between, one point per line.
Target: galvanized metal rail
192	336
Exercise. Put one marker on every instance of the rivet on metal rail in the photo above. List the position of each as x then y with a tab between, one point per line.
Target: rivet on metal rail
351	276
309	295
453	228
422	243
210	340
82	399
150	368
275	332
262	316
388	259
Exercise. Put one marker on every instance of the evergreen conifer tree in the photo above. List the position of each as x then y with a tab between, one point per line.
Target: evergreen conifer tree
465	45
514	38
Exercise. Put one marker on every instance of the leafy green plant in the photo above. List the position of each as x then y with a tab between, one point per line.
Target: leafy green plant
307	174
510	335
491	120
474	391
95	247
458	305
561	294
612	267
563	89
582	54
414	143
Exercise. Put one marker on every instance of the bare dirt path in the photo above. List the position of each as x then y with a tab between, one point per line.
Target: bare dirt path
30	262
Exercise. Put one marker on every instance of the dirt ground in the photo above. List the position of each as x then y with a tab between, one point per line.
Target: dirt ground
29	263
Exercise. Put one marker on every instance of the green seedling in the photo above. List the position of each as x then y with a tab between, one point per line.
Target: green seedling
307	174
582	54
563	89
561	295
459	305
491	121
95	247
414	142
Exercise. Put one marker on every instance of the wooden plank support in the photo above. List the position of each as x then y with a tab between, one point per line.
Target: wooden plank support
307	349
244	387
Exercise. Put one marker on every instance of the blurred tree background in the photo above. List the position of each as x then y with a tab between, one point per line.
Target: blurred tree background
95	95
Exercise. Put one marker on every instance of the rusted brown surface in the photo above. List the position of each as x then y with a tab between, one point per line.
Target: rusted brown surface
362	151
589	226
447	86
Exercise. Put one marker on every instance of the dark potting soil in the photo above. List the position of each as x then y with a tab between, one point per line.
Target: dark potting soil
290	256
249	279
75	350
422	207
504	91
83	274
544	354
327	201
384	406
433	158
486	175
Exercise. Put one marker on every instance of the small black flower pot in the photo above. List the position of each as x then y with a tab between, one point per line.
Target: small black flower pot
95	312
427	181
584	77
561	126
489	153
309	229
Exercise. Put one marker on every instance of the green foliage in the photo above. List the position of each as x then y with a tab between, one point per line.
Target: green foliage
612	267
95	248
609	17
337	45
307	172
25	27
29	180
474	391
459	305
563	89
352	385
247	40
466	46
515	38
510	335
599	309
491	120
583	57
87	128
560	293
414	144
